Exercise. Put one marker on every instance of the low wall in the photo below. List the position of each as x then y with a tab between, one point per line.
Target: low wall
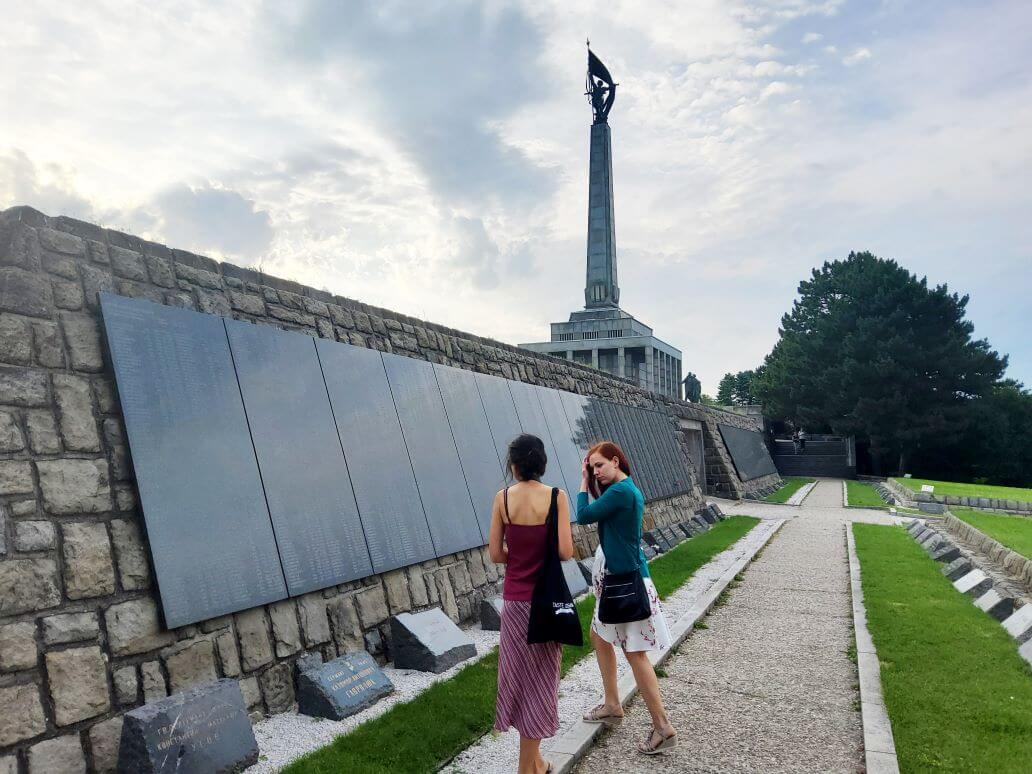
1020	507
81	637
1014	564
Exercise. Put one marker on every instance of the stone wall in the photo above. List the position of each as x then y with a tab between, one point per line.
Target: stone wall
81	637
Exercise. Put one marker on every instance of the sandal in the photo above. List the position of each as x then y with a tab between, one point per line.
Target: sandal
595	715
665	743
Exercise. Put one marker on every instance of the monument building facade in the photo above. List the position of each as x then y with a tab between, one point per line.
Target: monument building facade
603	335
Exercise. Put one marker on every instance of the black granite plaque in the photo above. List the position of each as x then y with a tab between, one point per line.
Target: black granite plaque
532	420
501	414
306	480
641	463
568	457
659	453
491	614
428	641
477	452
381	474
748	452
208	526
574	578
342	687
576	407
435	458
203	729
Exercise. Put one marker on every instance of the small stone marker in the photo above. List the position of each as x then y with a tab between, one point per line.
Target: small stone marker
574	578
999	607
706	515
428	641
1025	651
201	729
342	687
1019	624
946	552
663	541
586	568
672	538
700	522
927	488
958	568
649	551
932	507
975	583
491	614
650	538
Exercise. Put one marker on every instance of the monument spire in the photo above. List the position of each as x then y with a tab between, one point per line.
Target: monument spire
601	289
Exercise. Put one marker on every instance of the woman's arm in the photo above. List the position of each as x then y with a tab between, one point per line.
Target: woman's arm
495	546
613	501
565	533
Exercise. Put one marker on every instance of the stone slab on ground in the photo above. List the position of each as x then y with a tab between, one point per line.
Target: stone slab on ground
574	578
1019	624
491	614
428	641
202	729
975	583
342	687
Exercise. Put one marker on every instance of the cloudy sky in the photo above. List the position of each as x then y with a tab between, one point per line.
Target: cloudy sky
432	157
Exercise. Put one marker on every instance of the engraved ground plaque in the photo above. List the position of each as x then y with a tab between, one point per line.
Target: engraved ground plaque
306	479
203	729
385	488
428	641
209	529
342	687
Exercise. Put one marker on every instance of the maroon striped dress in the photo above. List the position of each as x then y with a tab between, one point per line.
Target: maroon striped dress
528	675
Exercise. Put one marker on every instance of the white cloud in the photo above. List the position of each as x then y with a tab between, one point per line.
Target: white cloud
858	56
812	37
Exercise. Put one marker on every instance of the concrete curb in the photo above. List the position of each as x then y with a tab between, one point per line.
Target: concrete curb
567	749
879	745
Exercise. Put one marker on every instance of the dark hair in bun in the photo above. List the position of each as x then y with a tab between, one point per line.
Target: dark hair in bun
527	455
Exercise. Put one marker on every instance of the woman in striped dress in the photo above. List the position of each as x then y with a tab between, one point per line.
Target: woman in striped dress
528	675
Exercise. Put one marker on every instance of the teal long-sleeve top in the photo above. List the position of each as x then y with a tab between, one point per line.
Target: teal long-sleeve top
618	515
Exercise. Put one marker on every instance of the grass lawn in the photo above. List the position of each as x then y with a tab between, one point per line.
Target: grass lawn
792	485
968	490
860	493
958	694
422	734
1015	532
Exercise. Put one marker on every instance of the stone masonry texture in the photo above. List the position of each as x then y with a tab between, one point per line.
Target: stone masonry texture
81	635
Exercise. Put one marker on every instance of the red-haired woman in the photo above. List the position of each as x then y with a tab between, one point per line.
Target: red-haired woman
617	509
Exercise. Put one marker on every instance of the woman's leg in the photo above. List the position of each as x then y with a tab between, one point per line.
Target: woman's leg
648	687
531	761
606	656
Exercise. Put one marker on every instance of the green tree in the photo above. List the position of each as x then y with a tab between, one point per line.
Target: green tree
870	350
738	389
726	390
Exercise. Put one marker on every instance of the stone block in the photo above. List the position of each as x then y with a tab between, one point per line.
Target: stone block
75	405
67	295
946	552
285	630
347	630
204	729
88	567
127	685
78	684
445	593
127	263
28	585
372	605
975	583
189	664
932	507
396	585
277	688
82	339
574	578
34	536
134	627
17	646
1019	623
105	739
417	587
46	339
428	641
11	437
491	614
152	680
252	627
984	502
15	477
42	428
8	764
25	293
251	691
61	242
342	687
70	627
94	281
75	485
130	554
315	625
15	340
995	604
22	717
587	567
23	386
62	755
229	656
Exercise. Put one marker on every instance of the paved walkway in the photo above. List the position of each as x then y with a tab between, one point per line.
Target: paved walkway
768	686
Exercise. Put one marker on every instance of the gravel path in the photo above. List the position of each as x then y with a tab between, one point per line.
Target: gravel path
768	686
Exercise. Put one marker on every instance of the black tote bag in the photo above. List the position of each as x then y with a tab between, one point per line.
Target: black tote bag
553	616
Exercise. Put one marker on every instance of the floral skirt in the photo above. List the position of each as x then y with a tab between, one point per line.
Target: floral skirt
649	634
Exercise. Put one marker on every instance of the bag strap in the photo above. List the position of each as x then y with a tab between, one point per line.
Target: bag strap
505	498
553	524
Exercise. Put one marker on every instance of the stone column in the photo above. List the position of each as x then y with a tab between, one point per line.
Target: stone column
621	368
650	368
594	357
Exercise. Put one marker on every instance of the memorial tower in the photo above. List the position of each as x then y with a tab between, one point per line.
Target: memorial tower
602	335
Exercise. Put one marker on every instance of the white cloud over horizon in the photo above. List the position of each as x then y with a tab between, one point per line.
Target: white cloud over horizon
434	161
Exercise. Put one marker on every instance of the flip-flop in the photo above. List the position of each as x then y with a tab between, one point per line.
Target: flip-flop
665	743
594	715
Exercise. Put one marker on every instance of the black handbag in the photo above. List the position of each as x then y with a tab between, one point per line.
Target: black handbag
553	616
624	598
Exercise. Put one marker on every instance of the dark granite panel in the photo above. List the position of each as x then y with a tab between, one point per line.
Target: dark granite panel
501	414
748	452
533	421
